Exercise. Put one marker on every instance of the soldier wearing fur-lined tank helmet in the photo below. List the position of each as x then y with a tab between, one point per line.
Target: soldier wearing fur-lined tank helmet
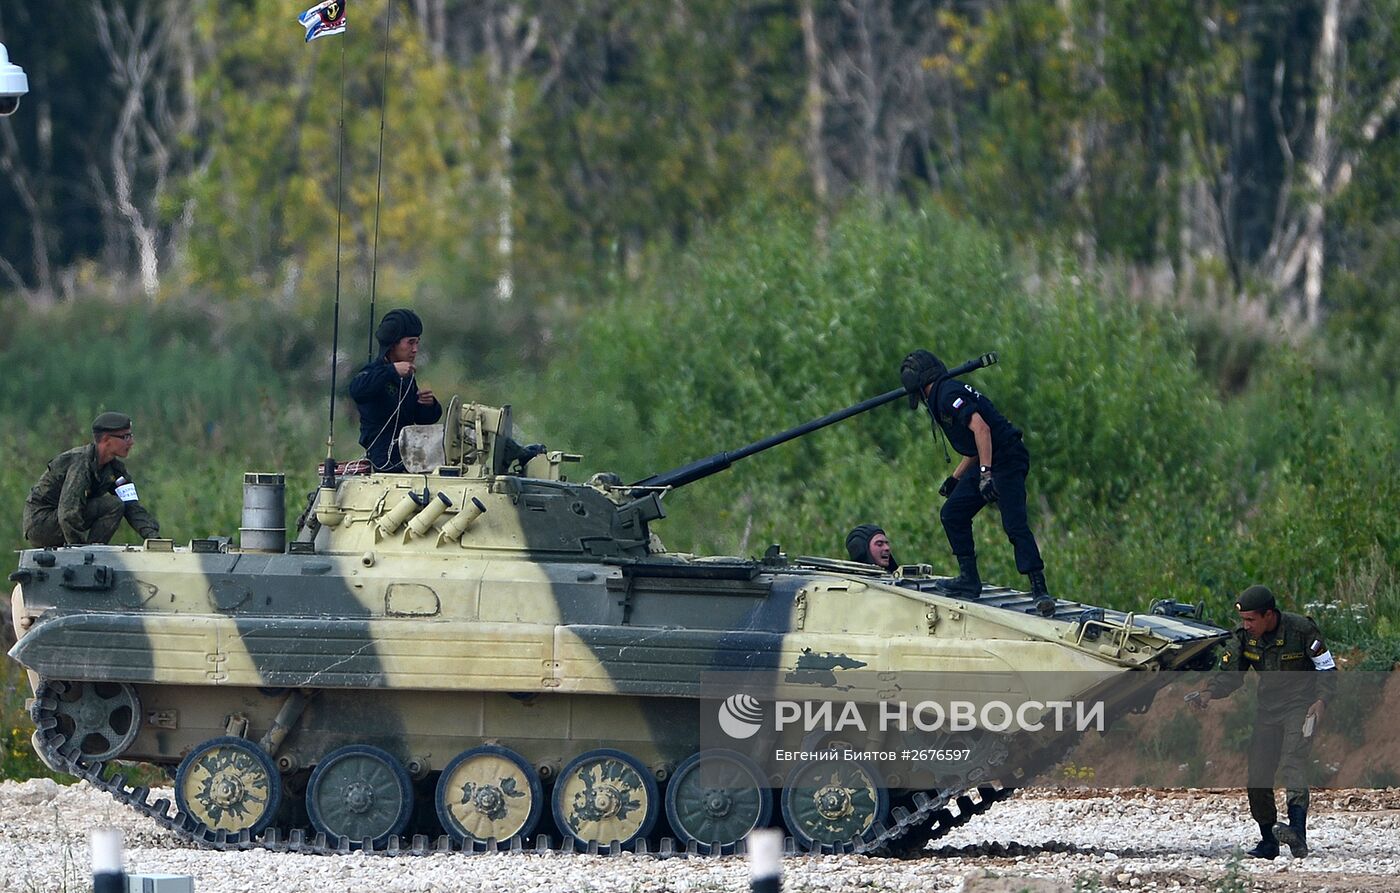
386	391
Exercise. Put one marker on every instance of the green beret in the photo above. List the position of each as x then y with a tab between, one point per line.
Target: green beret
111	421
1256	598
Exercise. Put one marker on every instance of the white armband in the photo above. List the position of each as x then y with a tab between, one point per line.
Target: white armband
1321	660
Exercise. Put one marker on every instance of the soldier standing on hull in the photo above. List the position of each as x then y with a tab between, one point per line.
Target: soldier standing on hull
868	544
386	391
1271	641
984	438
85	492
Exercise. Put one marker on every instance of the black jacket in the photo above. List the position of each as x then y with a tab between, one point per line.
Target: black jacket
387	403
952	405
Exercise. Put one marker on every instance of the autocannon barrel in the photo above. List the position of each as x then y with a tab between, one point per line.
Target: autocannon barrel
703	468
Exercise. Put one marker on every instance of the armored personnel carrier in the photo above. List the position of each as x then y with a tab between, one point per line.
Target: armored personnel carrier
487	654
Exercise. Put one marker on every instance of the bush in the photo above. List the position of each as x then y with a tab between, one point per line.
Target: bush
1145	483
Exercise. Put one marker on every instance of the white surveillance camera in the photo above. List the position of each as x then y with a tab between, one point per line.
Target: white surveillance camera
13	84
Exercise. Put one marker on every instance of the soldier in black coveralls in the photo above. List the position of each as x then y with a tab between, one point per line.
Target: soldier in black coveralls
985	439
386	391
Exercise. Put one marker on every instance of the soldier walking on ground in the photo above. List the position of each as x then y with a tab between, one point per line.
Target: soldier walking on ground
985	439
85	492
1291	704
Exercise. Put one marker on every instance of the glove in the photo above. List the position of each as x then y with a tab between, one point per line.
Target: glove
987	487
948	487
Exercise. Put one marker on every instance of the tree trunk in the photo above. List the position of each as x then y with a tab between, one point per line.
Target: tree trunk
1319	161
815	109
507	47
1083	234
149	53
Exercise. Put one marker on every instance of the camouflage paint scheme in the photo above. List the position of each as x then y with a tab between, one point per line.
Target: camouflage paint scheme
555	625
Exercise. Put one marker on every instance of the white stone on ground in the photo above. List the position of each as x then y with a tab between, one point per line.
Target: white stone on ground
1150	841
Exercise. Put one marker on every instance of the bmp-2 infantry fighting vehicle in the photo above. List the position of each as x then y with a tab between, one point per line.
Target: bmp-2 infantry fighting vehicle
488	655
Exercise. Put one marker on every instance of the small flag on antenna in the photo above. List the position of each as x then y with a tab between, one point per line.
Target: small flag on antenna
323	19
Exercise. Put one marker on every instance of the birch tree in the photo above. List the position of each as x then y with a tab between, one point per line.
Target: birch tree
149	53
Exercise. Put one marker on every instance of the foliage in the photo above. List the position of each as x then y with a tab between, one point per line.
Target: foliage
1237	726
1177	740
268	195
210	398
1145	483
1235	879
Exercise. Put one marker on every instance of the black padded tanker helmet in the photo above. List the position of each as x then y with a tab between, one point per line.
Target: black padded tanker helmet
396	325
920	369
858	544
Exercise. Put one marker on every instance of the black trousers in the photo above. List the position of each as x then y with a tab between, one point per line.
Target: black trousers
1010	465
1278	751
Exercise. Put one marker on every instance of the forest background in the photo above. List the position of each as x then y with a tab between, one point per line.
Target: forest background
663	229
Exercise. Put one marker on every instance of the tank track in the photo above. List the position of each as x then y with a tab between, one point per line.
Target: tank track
906	835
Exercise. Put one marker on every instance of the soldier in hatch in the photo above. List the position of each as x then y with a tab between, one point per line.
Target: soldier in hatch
386	390
868	544
1291	704
86	492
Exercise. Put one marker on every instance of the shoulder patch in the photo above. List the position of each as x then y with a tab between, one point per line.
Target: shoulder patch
957	403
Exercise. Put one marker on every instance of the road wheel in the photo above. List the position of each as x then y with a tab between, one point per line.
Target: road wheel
360	793
229	784
828	805
717	797
605	796
489	793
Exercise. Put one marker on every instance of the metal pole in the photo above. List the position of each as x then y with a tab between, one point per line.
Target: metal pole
765	847
107	873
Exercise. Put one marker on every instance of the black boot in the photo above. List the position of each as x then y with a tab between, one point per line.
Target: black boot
1295	833
1044	601
967	584
1267	847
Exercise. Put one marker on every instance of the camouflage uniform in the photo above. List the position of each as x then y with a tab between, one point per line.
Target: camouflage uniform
75	502
1277	746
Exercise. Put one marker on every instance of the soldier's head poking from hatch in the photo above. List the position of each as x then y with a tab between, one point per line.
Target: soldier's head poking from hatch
868	544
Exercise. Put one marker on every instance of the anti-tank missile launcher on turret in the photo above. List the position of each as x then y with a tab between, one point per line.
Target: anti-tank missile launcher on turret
494	653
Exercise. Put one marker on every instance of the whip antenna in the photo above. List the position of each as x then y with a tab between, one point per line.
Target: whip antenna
328	474
379	175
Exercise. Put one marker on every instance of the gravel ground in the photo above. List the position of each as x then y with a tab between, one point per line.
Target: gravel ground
1130	839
